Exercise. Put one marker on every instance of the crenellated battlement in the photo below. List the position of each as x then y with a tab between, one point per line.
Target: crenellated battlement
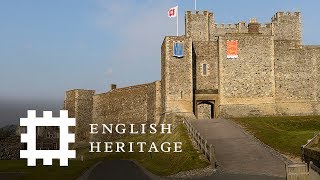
241	27
283	26
222	25
287	26
278	15
198	25
240	24
266	25
204	13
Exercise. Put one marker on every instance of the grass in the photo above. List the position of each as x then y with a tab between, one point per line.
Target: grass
316	146
73	171
162	164
285	134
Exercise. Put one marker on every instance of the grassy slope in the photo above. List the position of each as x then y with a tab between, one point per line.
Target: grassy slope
286	134
158	163
162	164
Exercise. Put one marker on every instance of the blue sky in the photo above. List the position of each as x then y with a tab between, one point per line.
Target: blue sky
47	47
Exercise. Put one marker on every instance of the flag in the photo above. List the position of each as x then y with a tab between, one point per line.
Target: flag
173	12
232	49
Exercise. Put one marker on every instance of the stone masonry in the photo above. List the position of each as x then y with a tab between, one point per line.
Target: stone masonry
274	74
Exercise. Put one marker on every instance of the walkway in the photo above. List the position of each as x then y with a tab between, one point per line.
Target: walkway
236	151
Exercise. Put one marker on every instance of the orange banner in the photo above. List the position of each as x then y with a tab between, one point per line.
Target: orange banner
232	49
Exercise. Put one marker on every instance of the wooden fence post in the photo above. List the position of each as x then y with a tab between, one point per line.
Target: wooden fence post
212	157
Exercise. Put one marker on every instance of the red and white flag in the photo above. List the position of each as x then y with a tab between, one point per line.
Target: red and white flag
173	12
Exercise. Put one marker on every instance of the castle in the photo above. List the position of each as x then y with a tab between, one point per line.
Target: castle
215	71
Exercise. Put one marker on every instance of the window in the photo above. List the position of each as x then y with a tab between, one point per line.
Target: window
204	69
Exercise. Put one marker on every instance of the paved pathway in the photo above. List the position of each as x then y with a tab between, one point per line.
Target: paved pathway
236	151
117	169
124	170
241	177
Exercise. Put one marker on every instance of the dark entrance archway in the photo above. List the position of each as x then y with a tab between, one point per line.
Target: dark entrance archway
205	110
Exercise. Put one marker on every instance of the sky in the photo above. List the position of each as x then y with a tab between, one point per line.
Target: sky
48	47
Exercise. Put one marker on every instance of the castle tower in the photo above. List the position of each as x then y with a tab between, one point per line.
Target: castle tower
287	28
253	26
198	25
176	76
79	104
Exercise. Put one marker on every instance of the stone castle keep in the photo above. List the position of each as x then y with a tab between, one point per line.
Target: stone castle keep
274	74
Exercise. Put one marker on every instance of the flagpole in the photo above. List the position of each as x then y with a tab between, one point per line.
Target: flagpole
178	21
195	5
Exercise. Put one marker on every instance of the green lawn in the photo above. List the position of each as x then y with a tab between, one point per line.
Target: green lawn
161	164
73	171
285	134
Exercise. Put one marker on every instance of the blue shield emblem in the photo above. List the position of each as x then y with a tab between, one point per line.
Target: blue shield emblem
178	50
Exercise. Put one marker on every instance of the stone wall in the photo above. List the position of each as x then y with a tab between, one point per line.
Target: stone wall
202	27
297	79
248	110
247	81
69	102
130	105
274	74
79	104
287	26
177	77
199	25
283	25
206	53
241	27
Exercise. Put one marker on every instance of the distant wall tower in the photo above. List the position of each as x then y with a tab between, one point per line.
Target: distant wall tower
198	26
79	104
287	27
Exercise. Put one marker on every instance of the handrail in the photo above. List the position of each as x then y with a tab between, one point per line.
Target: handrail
311	140
203	145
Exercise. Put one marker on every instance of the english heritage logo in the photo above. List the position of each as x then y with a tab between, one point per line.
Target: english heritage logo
32	122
